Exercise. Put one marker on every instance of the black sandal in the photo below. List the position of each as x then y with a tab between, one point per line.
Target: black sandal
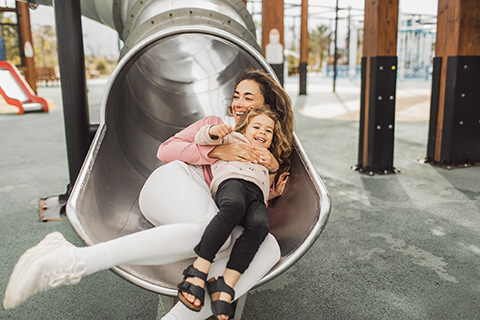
187	287
219	306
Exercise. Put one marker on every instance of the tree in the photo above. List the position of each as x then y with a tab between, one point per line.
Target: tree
318	42
9	32
45	44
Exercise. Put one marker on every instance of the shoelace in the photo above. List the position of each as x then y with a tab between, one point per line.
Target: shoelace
71	274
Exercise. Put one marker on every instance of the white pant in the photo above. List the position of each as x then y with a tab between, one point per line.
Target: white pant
177	200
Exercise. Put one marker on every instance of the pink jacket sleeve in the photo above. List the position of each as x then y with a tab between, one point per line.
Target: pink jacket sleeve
182	146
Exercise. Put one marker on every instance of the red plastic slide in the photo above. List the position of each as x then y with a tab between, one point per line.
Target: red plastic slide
17	92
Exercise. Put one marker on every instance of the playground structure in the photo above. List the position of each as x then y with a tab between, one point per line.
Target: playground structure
18	88
179	63
416	49
17	92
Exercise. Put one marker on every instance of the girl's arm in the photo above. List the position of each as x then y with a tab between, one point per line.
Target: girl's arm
182	146
213	135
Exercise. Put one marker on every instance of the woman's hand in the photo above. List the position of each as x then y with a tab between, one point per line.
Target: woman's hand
239	151
267	159
279	187
245	152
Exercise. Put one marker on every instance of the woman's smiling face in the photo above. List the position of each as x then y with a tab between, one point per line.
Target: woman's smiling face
247	96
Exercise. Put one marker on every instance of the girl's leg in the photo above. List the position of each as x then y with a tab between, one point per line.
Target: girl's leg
192	296
256	228
231	199
267	256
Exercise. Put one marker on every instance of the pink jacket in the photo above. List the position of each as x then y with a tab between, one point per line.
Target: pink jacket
182	147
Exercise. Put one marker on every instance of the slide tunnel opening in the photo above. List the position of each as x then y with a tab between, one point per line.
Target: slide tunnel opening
160	86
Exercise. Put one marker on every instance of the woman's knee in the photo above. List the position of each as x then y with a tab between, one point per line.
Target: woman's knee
163	198
262	229
270	250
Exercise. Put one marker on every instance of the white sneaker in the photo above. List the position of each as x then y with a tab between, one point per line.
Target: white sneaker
47	265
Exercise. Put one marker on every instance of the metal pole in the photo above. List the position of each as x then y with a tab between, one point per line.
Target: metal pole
23	15
335	49
71	60
303	48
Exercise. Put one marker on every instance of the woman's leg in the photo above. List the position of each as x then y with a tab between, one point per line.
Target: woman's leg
176	193
267	256
176	198
56	258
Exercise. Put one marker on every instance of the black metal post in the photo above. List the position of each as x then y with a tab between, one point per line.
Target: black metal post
278	68
71	60
377	115
303	49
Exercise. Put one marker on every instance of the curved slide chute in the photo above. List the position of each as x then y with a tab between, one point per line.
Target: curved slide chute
179	62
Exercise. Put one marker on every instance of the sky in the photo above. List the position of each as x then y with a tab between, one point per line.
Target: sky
98	39
102	40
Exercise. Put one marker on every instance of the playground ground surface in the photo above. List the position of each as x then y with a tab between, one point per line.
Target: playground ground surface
400	246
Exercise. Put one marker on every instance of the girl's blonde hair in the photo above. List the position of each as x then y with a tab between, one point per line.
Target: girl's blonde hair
280	146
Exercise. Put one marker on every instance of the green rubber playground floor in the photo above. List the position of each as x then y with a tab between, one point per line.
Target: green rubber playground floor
403	246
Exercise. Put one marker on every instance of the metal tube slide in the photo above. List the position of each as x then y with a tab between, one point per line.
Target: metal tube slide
179	63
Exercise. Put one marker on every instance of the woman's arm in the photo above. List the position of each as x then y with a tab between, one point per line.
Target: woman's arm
267	159
245	152
182	146
278	189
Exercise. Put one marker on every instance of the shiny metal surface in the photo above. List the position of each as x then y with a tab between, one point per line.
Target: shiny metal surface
165	81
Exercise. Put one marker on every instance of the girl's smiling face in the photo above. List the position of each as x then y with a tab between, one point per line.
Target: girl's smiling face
247	95
260	131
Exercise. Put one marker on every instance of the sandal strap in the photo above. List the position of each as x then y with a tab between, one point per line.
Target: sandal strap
219	285
192	272
190	288
222	307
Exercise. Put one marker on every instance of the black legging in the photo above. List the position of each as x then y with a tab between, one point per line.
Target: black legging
240	202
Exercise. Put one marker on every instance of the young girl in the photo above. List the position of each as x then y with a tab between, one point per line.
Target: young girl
241	192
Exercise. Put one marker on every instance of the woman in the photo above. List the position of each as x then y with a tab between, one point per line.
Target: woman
54	261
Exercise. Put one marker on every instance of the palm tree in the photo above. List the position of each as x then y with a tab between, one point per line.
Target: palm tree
318	42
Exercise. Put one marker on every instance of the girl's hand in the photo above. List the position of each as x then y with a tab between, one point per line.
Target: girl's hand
239	151
267	159
279	187
219	131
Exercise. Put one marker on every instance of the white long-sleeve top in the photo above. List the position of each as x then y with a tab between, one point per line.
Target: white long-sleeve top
223	170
